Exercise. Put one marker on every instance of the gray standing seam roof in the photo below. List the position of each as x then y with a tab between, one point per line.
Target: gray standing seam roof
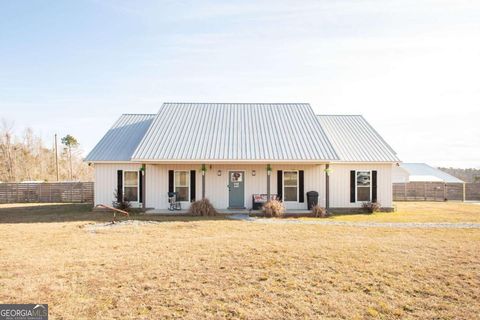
235	131
122	139
241	131
355	140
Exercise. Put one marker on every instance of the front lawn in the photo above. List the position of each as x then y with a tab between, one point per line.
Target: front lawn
201	268
420	212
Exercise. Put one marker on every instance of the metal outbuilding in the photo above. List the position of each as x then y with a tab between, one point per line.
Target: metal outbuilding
419	181
422	172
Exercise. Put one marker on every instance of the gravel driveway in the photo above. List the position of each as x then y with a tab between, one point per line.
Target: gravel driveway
443	225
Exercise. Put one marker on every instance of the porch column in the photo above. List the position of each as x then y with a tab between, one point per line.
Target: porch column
204	169
327	187
269	173
144	167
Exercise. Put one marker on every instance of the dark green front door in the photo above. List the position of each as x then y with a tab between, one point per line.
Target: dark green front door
236	187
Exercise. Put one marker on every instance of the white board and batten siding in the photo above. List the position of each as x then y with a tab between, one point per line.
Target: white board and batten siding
156	184
340	184
106	180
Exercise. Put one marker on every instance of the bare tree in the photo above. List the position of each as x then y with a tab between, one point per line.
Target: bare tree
26	158
7	148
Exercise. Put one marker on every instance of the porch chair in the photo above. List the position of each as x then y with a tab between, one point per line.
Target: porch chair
174	204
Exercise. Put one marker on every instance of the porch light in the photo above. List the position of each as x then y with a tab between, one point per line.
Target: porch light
219	173
269	169
254	173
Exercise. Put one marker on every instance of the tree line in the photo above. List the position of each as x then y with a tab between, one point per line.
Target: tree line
25	157
467	175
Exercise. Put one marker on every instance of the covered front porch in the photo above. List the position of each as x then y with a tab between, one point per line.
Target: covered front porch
232	187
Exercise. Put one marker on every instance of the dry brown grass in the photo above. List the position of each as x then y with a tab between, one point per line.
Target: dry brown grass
421	212
213	268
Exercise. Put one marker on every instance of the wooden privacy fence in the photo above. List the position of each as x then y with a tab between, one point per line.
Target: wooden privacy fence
435	191
46	192
472	191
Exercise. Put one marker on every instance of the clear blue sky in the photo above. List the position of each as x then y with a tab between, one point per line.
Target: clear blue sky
412	68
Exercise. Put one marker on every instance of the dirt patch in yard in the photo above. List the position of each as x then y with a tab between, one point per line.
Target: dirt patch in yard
93	227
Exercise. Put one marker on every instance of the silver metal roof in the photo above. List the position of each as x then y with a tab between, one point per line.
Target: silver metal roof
355	140
422	172
235	131
122	139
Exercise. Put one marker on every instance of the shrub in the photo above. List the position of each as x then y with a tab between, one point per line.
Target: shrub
123	204
202	208
273	208
318	211
371	207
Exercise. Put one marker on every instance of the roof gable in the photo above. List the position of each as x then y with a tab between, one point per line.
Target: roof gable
122	139
235	131
355	140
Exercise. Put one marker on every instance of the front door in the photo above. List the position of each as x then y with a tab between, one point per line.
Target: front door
236	189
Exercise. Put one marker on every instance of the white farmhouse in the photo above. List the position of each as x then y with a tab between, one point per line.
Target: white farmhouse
231	152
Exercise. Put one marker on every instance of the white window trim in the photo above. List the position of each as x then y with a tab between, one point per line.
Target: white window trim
283	185
187	186
356	186
138	186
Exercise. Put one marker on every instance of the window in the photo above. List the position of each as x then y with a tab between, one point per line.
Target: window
290	185
363	185
130	186
182	180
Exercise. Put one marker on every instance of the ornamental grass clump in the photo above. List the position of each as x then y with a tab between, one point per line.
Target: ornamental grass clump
371	207
319	211
202	208
273	208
